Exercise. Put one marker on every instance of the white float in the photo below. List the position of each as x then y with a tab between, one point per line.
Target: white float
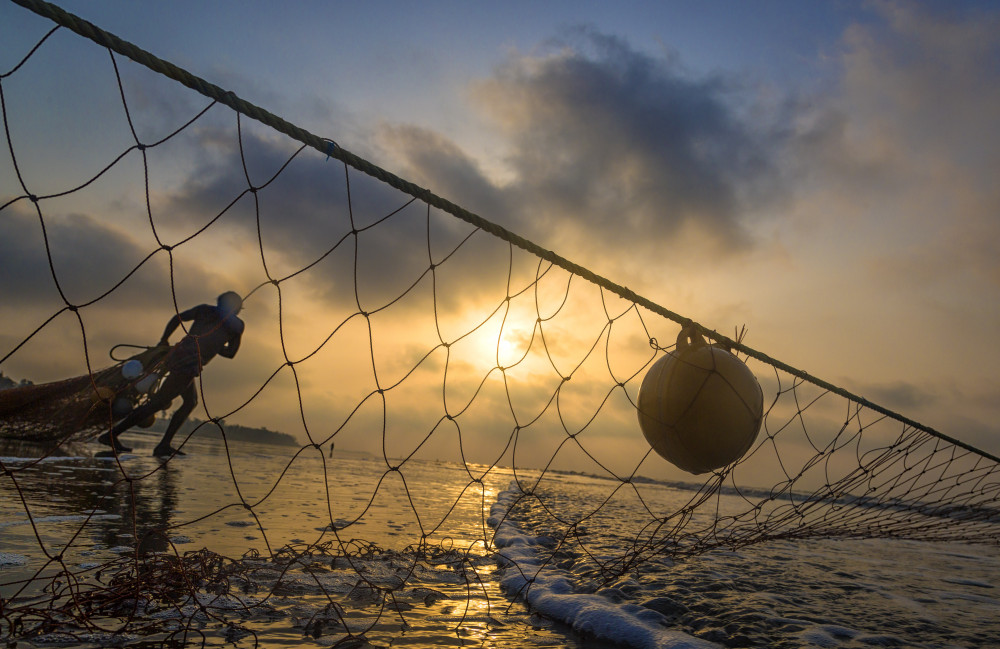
700	407
144	384
132	369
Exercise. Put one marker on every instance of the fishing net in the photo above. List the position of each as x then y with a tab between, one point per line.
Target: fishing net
78	408
479	373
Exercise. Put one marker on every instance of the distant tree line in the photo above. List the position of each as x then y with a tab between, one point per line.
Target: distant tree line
234	432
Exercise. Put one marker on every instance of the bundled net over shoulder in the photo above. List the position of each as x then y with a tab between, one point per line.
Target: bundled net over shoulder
445	349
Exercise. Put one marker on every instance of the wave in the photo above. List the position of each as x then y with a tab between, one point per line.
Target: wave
550	590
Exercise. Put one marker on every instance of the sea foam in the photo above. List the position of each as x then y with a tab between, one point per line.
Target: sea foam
549	590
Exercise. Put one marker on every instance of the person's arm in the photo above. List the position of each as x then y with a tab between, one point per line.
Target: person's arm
175	322
233	344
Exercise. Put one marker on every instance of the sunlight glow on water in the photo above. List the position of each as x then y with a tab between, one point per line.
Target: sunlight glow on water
823	593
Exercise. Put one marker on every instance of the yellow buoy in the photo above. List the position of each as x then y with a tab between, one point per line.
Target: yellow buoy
101	399
700	407
102	394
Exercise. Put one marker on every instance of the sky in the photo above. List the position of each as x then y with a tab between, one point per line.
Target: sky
822	173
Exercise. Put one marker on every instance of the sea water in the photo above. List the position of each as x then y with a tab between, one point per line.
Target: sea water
533	571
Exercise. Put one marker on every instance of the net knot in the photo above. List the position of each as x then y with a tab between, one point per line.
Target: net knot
331	146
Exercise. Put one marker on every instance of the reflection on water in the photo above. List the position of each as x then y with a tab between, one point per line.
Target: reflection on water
82	509
257	497
87	503
346	520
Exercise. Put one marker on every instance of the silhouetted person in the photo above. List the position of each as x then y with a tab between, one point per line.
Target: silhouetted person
215	330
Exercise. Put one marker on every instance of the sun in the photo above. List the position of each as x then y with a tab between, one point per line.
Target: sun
513	345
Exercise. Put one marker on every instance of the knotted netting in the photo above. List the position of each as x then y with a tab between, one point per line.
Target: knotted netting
464	401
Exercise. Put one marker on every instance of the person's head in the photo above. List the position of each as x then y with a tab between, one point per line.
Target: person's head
230	302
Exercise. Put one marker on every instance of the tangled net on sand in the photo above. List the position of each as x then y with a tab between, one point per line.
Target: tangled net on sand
343	592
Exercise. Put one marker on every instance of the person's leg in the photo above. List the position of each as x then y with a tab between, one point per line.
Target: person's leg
158	401
190	396
111	437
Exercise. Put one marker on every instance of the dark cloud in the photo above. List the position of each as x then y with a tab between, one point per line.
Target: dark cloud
901	396
301	213
340	237
87	257
609	142
607	146
433	159
90	259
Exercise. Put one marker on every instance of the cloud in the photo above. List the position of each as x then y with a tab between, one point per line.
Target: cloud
301	212
605	143
434	159
356	237
897	165
606	148
87	258
901	396
909	139
124	286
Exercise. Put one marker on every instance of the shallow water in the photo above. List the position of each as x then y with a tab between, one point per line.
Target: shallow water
805	593
460	589
89	510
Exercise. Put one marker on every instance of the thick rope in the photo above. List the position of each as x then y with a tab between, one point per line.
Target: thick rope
331	149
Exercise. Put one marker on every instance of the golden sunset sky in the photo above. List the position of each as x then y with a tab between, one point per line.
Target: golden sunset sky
823	173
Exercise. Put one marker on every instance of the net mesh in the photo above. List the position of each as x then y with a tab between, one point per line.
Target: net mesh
390	333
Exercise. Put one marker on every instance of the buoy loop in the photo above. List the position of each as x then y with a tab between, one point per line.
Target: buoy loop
690	336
